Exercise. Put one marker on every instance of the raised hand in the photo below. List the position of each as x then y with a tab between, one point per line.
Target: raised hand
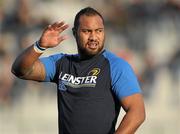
51	36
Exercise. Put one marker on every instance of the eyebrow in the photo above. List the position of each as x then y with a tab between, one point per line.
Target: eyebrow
91	29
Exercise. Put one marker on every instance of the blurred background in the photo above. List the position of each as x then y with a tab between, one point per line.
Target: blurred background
143	32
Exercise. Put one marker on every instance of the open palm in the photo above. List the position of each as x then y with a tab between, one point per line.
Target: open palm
51	36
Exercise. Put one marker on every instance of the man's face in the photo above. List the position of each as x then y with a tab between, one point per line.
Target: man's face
90	35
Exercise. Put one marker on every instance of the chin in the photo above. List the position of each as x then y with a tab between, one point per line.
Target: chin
93	52
88	53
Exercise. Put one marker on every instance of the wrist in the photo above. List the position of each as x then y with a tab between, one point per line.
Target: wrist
38	48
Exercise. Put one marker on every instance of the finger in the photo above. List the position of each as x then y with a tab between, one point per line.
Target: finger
62	38
54	25
62	28
49	27
57	24
60	23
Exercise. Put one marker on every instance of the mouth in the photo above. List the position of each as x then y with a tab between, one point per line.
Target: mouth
92	45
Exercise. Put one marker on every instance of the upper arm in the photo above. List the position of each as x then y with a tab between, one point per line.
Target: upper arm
133	105
36	72
44	69
49	64
133	102
124	81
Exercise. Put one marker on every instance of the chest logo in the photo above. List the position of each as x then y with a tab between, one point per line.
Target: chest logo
70	80
94	72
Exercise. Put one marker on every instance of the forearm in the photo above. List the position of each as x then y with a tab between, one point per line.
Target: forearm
25	61
130	123
27	65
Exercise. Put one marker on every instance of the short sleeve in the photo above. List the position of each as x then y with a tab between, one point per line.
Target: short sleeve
123	80
50	66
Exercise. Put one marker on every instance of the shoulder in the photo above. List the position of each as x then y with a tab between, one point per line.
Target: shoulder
123	79
115	61
59	56
51	62
119	67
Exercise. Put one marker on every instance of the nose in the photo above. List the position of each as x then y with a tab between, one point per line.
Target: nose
92	36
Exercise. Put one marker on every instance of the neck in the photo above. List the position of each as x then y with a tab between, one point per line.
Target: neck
84	56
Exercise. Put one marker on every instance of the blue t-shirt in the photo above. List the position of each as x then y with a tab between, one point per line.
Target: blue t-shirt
89	91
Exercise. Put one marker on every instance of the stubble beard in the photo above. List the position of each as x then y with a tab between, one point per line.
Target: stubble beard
87	53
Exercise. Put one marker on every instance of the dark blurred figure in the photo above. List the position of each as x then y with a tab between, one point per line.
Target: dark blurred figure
171	8
174	63
148	75
174	67
170	11
6	79
17	25
116	17
21	23
136	28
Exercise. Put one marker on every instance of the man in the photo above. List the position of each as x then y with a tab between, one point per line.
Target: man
91	85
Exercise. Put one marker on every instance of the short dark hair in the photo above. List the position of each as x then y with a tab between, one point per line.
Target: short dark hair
89	11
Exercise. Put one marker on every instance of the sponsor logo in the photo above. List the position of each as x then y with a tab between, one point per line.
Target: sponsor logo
66	79
62	86
94	72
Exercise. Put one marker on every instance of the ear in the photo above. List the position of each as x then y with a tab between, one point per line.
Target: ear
74	32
